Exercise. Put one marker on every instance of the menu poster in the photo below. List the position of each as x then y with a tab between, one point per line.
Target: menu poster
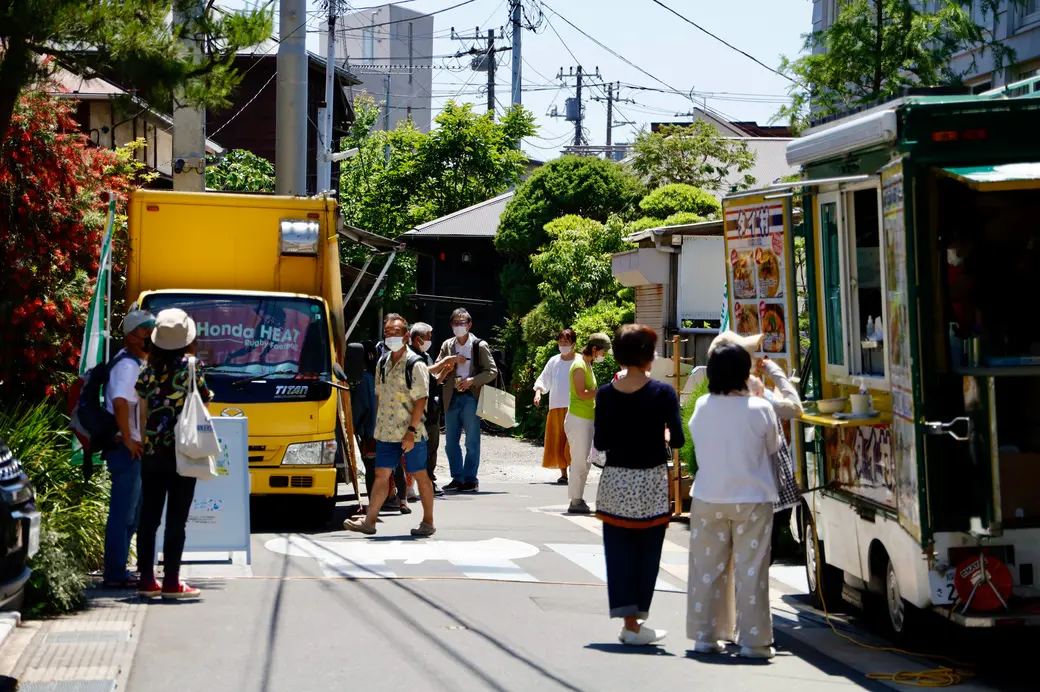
904	432
757	268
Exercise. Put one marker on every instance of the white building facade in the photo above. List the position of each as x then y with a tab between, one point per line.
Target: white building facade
390	49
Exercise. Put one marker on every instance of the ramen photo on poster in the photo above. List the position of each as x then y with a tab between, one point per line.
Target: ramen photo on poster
769	277
743	274
773	327
746	319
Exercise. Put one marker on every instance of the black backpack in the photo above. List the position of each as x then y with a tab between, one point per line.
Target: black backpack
90	419
413	358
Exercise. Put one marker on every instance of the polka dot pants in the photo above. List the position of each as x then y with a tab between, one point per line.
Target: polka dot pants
720	533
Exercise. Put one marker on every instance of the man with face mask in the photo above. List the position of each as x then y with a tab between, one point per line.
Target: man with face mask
473	368
124	458
421	342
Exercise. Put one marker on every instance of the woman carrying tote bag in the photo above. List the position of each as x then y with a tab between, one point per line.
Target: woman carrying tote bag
164	388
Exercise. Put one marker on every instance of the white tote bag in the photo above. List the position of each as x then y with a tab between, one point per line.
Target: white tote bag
496	406
197	444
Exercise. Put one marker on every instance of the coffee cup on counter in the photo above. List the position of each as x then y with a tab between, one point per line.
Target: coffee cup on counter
861	403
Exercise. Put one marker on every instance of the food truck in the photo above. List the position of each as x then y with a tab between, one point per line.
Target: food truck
913	275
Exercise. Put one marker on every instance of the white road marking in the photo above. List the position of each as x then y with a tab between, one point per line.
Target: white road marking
488	559
589	556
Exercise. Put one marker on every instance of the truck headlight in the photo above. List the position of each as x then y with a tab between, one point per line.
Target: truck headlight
311	453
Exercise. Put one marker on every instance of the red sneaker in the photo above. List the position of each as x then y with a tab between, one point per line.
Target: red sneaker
182	590
148	588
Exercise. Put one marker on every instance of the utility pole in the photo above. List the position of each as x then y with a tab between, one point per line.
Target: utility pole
386	118
484	59
189	124
577	122
290	158
517	56
326	108
491	71
610	113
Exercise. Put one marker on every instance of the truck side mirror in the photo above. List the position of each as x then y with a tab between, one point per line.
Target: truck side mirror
354	362
338	372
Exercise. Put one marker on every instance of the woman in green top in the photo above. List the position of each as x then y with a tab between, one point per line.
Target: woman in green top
580	415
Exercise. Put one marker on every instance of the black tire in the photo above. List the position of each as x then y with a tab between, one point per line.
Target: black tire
322	511
825	581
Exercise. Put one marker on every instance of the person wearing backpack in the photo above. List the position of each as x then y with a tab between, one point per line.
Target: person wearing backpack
402	387
124	456
421	341
163	387
474	368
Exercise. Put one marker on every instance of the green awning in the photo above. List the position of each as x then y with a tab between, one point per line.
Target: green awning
1005	176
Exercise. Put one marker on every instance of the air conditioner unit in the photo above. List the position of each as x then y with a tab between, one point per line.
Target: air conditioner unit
860	133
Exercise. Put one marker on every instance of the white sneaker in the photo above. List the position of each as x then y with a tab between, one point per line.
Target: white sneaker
643	637
703	647
763	652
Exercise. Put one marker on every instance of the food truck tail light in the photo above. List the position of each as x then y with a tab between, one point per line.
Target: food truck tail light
974	134
153	207
945	136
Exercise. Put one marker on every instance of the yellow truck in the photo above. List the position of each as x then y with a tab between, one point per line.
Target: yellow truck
260	275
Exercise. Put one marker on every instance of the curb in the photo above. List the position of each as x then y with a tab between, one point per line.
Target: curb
8	622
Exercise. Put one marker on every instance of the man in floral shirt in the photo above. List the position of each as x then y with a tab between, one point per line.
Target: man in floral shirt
402	386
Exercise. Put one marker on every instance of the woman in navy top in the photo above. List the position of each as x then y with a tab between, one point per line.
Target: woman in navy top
631	416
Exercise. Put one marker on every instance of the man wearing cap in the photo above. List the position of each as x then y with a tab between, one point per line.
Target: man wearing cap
124	458
580	416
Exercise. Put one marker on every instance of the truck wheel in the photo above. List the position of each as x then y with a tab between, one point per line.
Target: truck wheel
323	510
899	619
825	581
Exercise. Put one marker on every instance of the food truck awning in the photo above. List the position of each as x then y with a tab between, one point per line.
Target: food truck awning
1007	176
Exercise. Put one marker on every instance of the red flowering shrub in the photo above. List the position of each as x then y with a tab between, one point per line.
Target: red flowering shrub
52	218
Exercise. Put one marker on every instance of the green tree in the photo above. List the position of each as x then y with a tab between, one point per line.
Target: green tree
678	197
240	171
403	178
697	155
129	41
575	268
875	49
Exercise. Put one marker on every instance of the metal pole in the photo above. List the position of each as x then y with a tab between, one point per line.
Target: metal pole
325	111
386	117
371	293
290	157
577	121
517	64
357	281
189	124
491	71
610	117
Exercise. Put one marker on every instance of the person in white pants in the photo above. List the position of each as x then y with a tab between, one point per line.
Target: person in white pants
580	415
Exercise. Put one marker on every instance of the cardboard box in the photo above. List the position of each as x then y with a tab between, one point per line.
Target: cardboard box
1020	486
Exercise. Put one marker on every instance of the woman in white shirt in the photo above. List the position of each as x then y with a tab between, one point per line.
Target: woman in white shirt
735	436
555	380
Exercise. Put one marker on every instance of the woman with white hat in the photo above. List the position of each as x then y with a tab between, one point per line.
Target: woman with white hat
163	387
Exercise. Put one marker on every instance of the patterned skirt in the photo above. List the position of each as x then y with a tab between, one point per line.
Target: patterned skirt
557	454
634	498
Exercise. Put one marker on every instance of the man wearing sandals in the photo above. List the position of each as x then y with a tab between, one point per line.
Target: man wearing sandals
400	432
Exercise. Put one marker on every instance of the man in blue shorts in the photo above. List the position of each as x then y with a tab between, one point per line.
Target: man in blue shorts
402	386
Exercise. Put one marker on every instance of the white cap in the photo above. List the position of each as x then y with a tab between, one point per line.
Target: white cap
135	319
751	344
174	329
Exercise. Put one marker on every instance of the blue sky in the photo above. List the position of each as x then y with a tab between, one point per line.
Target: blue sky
646	34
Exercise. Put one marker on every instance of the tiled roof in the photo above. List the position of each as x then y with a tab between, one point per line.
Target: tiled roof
478	221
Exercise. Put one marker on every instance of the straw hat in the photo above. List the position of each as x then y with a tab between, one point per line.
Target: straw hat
751	344
174	329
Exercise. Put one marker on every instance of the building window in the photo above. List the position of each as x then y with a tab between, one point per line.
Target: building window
1030	12
368	44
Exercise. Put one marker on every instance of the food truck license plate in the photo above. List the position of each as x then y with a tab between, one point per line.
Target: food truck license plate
943	592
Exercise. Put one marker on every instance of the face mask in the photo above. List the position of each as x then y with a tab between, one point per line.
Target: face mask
601	357
460	331
566	349
394	343
426	346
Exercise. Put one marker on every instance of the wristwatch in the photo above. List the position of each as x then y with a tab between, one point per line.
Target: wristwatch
412	430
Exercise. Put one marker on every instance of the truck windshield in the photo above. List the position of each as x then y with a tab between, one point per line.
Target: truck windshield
239	336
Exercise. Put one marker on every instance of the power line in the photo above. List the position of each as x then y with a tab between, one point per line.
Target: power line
247	104
724	42
409	19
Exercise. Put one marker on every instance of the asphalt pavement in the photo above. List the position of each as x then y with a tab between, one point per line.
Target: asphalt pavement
509	595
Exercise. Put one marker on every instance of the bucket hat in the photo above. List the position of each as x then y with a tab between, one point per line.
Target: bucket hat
174	329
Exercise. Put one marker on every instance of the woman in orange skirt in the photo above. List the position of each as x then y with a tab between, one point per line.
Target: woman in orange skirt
555	380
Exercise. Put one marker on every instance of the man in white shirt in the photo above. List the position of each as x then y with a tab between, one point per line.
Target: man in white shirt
124	457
